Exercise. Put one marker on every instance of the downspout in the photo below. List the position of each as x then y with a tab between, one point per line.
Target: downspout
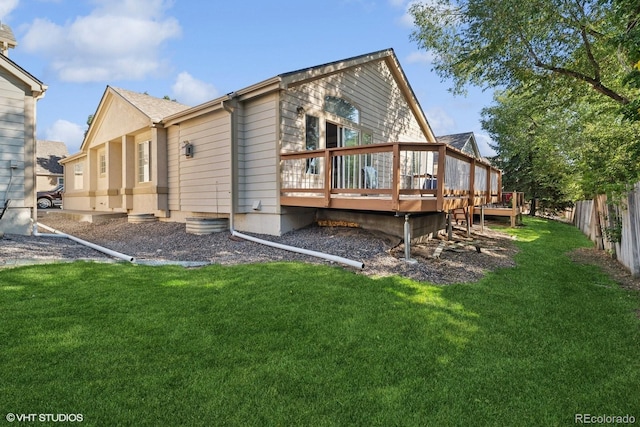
6	193
56	233
233	146
329	257
37	96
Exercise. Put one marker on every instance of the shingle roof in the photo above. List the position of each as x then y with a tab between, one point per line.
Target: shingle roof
155	108
48	154
457	140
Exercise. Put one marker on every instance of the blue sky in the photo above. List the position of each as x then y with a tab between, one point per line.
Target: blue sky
194	51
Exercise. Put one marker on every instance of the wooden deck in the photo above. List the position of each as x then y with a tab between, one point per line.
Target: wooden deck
512	206
395	177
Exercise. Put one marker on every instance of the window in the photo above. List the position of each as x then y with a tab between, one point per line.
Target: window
312	137
339	136
144	161
312	142
341	108
102	163
78	181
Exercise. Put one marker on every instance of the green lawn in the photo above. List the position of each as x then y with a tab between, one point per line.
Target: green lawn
290	344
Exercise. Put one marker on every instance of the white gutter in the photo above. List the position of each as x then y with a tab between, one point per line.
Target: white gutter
56	233
334	258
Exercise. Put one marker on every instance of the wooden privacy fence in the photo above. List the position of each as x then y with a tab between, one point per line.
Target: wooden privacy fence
600	222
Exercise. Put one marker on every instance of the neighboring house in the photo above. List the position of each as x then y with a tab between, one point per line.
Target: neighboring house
49	171
19	92
342	135
465	142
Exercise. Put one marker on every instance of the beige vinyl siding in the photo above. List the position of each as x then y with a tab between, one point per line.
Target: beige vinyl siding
371	87
201	183
174	157
12	140
258	172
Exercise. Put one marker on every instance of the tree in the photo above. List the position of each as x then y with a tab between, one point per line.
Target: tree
628	11
503	43
563	145
89	121
565	68
528	151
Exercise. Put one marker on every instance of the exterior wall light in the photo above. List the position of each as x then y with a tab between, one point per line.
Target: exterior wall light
187	149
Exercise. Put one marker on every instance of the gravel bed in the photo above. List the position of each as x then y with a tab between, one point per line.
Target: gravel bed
382	255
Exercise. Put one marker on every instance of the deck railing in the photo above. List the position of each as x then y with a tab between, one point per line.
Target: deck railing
395	176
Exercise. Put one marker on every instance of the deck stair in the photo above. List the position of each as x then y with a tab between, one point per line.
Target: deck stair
460	214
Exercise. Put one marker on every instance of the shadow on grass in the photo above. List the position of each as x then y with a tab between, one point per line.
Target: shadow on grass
284	343
296	344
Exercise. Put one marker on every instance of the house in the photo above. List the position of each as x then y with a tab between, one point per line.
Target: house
19	93
465	142
49	171
347	135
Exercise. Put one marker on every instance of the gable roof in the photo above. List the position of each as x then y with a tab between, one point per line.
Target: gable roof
460	140
151	107
283	81
48	154
154	108
36	86
457	140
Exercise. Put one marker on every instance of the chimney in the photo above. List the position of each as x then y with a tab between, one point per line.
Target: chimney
7	40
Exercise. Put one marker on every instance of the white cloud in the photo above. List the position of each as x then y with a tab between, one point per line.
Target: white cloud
191	91
119	40
423	57
441	122
483	141
406	20
70	133
7	6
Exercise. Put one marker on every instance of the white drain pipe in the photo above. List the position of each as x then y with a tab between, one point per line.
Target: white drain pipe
56	233
334	258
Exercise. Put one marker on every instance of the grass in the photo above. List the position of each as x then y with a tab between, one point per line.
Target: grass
295	344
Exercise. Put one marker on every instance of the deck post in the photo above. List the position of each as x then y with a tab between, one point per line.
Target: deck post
449	226
472	192
327	178
442	155
395	196
468	215
487	196
514	208
482	218
407	240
